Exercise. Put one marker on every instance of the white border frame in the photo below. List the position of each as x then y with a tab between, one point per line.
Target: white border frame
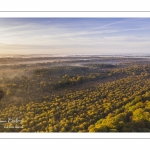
67	14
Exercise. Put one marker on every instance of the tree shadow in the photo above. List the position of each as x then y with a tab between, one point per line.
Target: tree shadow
1	94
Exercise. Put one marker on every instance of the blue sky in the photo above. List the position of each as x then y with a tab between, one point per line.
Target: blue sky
74	35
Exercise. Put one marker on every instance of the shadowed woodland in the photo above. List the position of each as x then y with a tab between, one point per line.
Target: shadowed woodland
96	94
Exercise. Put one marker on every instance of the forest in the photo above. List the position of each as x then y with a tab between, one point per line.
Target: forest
75	94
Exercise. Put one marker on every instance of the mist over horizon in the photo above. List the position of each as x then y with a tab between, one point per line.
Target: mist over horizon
79	55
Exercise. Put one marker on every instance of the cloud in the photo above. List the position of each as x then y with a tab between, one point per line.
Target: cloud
117	22
62	37
109	24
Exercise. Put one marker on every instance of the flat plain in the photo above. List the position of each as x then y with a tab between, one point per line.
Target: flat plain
75	94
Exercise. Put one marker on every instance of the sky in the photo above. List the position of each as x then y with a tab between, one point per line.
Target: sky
69	36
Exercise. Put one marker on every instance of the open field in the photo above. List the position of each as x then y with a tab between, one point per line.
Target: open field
75	94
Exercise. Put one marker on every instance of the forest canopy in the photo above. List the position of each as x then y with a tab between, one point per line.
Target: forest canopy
102	94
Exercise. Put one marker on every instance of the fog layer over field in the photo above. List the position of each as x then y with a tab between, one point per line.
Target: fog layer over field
88	93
